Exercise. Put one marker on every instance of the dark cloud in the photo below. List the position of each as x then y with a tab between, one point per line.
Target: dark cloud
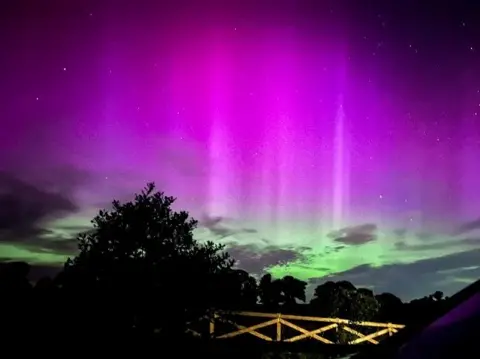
23	206
310	268
329	250
73	229
474	241
55	246
303	249
255	260
467	227
222	227
426	235
52	242
27	205
452	243
62	240
355	235
400	233
412	280
63	179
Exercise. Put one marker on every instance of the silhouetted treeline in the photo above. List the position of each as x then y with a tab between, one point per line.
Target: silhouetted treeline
236	290
140	273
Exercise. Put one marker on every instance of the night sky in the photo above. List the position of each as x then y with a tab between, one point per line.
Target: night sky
322	139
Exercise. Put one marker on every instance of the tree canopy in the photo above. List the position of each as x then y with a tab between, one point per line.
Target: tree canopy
145	248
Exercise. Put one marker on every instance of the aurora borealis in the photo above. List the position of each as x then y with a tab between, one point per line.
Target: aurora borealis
313	139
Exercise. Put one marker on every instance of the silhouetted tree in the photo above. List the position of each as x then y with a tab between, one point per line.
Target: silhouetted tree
424	309
16	296
343	300
45	283
437	296
248	289
391	308
238	290
145	268
14	277
270	292
284	292
293	289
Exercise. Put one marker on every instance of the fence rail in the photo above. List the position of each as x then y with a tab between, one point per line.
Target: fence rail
284	321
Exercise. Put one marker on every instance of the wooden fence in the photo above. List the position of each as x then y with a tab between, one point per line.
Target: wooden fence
283	323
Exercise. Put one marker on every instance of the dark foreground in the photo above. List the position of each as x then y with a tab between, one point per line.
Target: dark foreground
81	343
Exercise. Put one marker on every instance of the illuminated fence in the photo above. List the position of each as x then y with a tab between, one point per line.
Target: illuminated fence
279	326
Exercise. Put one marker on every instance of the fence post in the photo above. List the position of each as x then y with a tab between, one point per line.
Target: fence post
279	328
212	325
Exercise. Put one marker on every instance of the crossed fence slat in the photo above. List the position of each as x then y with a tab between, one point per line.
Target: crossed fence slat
285	320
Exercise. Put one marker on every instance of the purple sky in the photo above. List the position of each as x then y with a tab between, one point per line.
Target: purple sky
313	139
